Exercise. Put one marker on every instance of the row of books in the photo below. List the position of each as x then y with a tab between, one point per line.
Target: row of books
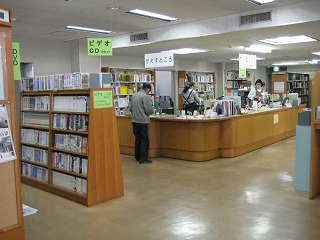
75	80
297	77
71	122
71	142
34	154
121	102
69	182
70	162
200	87
196	77
35	119
36	103
34	136
229	107
131	77
35	172
71	103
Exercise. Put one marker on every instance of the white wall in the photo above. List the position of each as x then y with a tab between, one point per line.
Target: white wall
47	55
165	83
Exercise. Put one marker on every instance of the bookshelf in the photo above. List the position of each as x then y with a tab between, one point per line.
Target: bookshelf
11	213
288	82
126	82
235	85
204	83
315	139
69	144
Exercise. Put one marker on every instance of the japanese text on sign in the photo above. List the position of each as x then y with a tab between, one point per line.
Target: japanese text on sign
161	59
99	46
247	61
102	99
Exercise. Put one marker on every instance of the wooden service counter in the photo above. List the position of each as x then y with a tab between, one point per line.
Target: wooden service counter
207	139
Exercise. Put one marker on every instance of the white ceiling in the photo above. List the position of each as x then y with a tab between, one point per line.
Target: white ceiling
208	24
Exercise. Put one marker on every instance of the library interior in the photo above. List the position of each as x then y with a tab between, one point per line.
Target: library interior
243	162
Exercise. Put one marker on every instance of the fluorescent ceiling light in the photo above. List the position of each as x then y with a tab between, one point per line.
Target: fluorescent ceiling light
288	40
237	59
152	15
261	2
259	48
314	61
187	50
85	29
316	53
291	63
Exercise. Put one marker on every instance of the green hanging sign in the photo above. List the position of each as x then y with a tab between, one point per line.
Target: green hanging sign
242	73
16	61
99	46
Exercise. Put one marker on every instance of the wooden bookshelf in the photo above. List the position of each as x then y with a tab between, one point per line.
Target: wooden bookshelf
234	84
11	215
126	82
315	139
288	82
69	144
204	83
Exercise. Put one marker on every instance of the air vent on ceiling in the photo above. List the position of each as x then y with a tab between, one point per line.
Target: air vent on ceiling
139	37
254	18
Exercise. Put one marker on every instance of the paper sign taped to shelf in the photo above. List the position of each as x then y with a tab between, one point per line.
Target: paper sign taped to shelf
160	59
7	152
99	47
278	87
247	61
16	61
102	99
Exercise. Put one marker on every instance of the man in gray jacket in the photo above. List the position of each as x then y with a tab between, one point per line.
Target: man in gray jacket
141	108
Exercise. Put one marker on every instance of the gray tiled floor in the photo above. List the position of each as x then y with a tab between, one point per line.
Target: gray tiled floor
248	197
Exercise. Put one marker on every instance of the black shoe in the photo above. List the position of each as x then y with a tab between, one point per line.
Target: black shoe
145	162
137	160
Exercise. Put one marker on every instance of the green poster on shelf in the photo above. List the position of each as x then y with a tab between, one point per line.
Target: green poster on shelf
99	47
242	73
16	61
102	99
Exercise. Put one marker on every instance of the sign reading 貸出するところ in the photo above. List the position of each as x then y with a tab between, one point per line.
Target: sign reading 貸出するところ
99	46
247	61
16	61
102	99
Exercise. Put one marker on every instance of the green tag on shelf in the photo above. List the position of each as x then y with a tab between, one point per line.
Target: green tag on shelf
242	73
102	99
100	46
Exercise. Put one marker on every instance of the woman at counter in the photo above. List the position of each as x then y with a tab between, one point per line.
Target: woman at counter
190	98
255	92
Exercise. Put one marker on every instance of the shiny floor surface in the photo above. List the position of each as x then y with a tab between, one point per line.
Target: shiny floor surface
249	197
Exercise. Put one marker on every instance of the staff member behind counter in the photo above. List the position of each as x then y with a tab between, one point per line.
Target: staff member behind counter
255	92
190	98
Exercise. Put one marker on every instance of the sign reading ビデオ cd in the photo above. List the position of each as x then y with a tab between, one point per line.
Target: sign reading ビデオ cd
99	46
161	59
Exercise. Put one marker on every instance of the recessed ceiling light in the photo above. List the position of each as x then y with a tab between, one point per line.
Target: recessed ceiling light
187	50
85	29
261	2
259	48
144	13
314	61
237	59
291	63
289	40
316	53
